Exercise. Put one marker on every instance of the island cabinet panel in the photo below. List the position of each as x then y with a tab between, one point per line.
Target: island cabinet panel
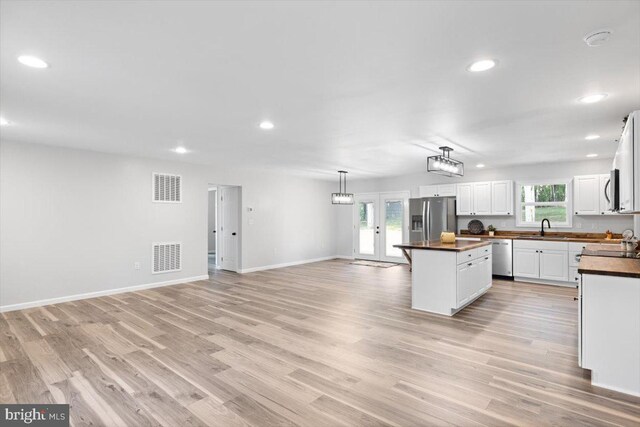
444	282
610	331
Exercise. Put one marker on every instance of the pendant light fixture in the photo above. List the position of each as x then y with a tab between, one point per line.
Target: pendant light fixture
342	198
443	164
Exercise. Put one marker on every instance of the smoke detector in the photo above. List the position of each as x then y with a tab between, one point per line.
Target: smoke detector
597	38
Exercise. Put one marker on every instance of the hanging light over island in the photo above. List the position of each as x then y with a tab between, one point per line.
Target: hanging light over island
342	197
443	164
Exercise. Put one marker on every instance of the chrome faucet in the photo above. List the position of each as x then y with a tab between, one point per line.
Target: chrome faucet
542	226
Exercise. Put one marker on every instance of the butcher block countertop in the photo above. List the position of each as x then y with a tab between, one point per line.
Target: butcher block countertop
549	236
437	245
608	266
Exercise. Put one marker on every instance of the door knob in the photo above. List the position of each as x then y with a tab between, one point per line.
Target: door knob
233	234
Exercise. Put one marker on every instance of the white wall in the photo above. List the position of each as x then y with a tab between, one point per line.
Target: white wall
211	221
74	222
616	223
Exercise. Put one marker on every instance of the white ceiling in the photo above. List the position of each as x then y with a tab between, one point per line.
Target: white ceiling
370	87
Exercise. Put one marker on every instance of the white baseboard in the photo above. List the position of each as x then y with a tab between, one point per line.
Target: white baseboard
39	303
287	264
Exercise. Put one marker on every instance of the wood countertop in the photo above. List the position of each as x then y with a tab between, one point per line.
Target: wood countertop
437	245
608	266
548	236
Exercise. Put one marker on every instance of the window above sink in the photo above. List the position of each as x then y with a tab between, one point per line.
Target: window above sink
536	200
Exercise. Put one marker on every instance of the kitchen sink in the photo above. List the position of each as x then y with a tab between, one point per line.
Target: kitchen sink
541	237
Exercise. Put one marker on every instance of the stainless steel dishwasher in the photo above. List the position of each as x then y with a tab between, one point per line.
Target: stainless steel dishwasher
502	253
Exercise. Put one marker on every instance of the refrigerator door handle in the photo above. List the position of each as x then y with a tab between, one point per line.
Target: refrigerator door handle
428	223
424	219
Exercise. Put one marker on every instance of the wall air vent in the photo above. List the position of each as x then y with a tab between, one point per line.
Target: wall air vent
167	188
167	257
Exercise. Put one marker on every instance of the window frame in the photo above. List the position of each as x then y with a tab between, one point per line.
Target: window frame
567	182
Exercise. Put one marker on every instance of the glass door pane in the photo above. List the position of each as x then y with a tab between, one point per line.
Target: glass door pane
367	228
394	215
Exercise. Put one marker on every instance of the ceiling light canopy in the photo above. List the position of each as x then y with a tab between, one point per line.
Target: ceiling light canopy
32	61
443	164
595	97
591	137
4	122
592	155
482	65
266	125
180	150
597	38
342	197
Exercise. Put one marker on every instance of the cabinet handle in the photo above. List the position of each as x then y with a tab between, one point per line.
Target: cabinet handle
540	251
486	257
575	298
470	264
576	213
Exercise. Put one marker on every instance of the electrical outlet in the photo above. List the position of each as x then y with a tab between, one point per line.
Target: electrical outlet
579	225
136	265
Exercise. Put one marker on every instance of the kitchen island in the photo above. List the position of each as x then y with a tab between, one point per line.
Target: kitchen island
446	277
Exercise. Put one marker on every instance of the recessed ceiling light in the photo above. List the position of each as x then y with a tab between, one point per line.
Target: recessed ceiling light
266	125
590	99
180	150
3	121
483	65
480	165
591	137
592	155
32	61
597	38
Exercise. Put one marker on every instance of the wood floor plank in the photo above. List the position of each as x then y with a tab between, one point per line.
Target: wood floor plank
327	343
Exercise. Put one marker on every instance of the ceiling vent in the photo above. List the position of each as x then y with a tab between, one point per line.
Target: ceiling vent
597	38
167	188
167	257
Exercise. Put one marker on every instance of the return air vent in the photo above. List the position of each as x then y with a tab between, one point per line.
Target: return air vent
167	188
167	257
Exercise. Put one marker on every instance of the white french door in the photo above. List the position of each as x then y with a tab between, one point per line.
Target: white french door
381	220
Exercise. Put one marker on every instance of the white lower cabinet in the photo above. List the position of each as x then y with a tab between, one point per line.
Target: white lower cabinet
444	282
472	278
609	342
554	265
541	261
526	262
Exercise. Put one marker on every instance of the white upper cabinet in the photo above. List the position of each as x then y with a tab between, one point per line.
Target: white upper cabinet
482	198
485	198
589	196
464	199
502	197
439	190
586	195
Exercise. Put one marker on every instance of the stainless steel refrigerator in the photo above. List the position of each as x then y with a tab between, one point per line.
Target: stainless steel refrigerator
430	216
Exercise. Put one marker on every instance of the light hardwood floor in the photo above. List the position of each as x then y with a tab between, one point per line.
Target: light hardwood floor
322	344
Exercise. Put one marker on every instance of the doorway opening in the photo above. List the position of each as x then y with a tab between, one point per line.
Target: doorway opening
381	220
223	228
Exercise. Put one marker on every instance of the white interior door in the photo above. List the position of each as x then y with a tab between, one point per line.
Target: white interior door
229	227
381	220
